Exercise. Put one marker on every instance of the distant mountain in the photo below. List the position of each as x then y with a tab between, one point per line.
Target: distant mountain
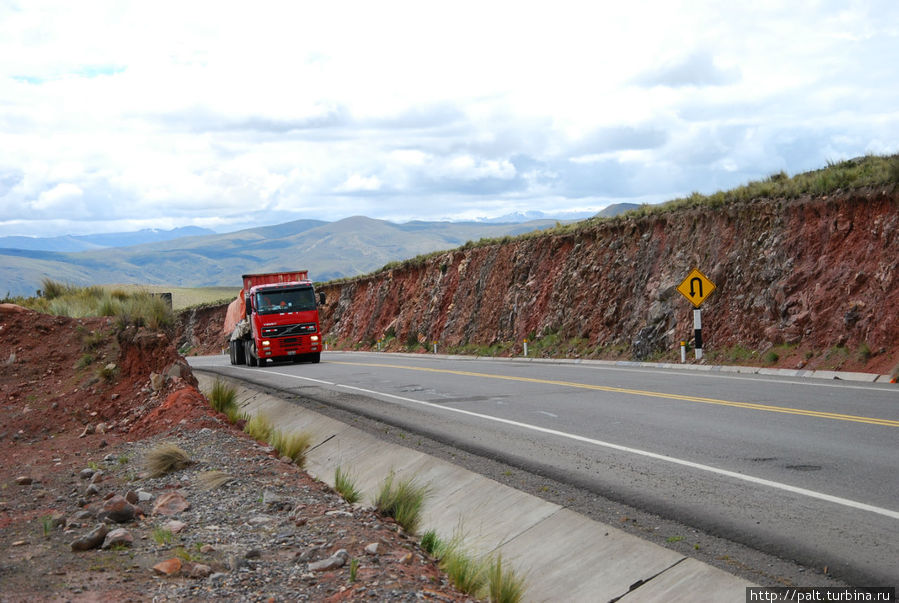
70	243
529	216
329	250
617	209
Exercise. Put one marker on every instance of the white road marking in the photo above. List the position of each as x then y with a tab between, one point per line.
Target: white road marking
645	453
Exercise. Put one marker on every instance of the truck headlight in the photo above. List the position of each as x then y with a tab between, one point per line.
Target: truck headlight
266	343
313	338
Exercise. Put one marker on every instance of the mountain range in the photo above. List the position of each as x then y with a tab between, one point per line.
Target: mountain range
191	257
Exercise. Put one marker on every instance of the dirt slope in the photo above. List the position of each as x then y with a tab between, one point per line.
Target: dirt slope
810	282
83	395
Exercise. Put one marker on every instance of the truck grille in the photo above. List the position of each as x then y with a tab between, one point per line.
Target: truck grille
286	330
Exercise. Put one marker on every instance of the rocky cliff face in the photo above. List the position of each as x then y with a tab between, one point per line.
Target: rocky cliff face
806	282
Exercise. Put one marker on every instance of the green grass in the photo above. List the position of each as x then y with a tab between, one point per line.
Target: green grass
184	297
47	525
403	501
85	361
161	536
431	542
259	427
345	486
165	458
293	445
467	573
223	398
503	584
139	308
486	577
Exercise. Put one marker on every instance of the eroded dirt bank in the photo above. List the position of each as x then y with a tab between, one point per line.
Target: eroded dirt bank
800	283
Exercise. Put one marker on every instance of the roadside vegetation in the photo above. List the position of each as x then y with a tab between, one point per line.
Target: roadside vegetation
165	458
138	308
293	445
484	577
346	486
403	501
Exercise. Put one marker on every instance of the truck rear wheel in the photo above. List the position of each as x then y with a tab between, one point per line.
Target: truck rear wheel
235	348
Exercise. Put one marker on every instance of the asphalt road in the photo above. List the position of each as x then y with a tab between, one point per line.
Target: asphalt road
802	469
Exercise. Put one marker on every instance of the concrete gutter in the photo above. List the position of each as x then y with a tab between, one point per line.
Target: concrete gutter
564	555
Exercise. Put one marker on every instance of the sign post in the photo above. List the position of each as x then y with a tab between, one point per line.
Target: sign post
696	288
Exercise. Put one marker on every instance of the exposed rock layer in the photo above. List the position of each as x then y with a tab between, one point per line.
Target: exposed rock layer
814	273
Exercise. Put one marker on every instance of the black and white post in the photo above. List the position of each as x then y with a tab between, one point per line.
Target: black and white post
697	332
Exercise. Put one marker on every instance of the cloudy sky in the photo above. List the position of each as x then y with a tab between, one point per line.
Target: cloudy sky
120	115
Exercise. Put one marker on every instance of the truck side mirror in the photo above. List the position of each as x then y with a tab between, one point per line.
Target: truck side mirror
249	308
321	298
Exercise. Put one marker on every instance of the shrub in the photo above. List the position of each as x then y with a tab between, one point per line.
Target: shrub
403	501
165	458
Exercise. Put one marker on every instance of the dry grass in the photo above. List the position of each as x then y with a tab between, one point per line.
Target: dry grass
165	458
292	445
210	480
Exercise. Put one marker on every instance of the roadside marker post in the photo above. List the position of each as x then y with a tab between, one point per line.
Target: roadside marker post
525	347
696	288
697	332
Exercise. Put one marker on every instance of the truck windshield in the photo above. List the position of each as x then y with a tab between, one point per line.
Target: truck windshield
285	300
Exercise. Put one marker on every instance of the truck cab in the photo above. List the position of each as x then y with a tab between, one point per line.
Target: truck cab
280	321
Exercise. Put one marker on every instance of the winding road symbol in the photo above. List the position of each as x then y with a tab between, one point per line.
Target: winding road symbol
696	287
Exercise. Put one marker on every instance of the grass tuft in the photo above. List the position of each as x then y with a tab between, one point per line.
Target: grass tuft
292	445
165	458
345	486
260	427
466	573
210	480
504	585
404	501
223	398
161	536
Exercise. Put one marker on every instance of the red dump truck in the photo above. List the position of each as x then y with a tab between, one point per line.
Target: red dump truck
275	317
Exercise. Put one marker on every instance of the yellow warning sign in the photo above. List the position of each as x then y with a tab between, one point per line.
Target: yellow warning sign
696	287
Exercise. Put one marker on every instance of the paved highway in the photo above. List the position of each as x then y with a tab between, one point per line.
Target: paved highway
803	469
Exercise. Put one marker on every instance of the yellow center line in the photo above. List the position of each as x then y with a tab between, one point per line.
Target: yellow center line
640	392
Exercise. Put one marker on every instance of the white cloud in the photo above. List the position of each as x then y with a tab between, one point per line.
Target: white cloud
358	183
208	112
58	198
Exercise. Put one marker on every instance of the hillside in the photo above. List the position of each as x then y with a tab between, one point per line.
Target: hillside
329	250
802	281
